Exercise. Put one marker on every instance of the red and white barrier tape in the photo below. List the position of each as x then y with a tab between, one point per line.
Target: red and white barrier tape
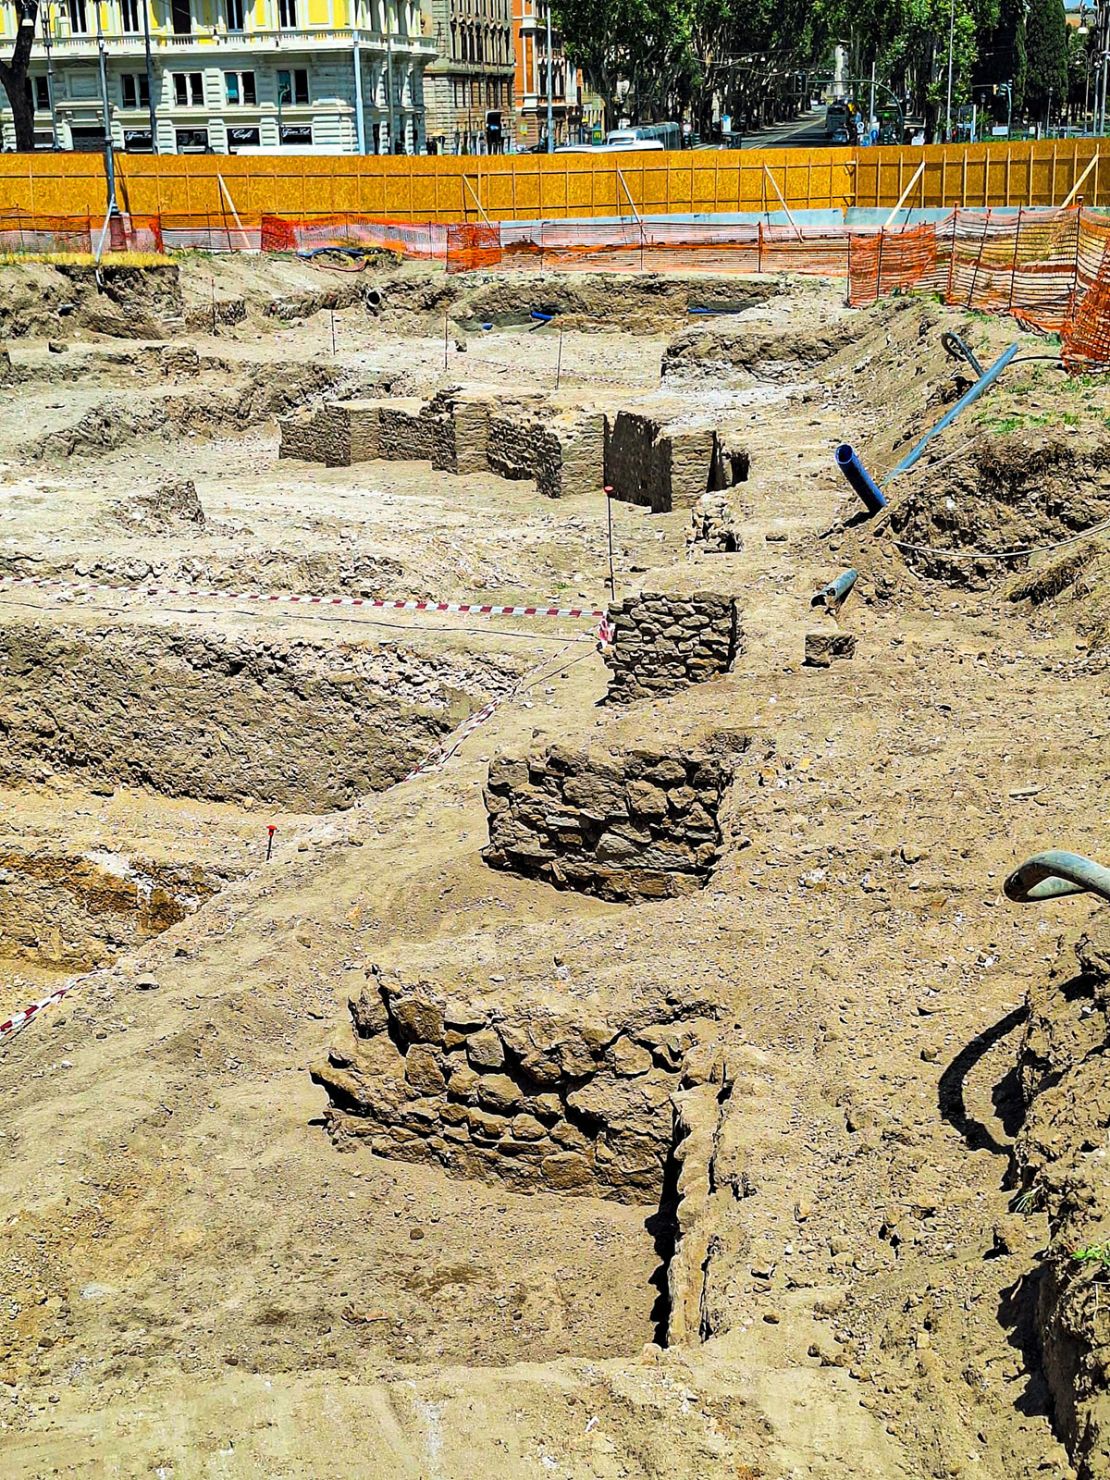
461	608
20	1019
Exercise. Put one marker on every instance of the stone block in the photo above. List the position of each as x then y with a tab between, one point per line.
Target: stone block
826	646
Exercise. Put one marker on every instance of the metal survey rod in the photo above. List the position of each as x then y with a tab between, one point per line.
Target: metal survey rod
1054	874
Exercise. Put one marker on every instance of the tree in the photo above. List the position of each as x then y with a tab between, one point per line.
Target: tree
17	84
1002	58
1047	53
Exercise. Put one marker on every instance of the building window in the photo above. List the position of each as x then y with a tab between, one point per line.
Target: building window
240	87
296	135
129	14
137	141
42	94
191	140
287	14
234	15
182	17
136	90
78	20
188	89
293	86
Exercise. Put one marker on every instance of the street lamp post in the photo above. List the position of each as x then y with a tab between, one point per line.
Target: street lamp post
550	99
47	39
151	101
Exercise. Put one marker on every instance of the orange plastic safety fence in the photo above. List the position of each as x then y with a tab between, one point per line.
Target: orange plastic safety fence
20	231
1049	268
889	261
470	247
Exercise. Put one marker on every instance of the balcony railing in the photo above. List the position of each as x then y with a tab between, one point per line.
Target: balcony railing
310	38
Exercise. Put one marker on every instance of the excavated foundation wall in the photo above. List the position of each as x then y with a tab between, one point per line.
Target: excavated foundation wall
641	825
308	727
664	641
457	432
539	1097
663	469
1059	1154
75	912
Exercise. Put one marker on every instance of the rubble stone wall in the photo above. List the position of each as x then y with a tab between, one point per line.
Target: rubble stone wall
662	469
642	825
320	435
663	642
544	1100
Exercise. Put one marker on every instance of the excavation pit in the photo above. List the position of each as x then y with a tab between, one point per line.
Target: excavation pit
62	912
306	726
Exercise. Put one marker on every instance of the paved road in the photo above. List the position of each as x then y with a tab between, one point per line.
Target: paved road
806	132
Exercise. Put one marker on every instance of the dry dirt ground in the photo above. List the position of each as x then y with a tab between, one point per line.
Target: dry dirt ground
194	1281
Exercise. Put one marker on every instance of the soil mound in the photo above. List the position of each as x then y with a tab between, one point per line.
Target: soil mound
1065	1087
161	510
1014	492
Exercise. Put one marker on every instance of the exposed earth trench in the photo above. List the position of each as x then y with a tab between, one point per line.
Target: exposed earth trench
654	1083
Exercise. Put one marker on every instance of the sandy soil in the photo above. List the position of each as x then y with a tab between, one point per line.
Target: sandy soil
197	1282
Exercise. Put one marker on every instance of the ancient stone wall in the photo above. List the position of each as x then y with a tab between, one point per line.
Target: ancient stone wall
320	435
580	465
665	641
665	469
545	1099
457	432
641	825
518	447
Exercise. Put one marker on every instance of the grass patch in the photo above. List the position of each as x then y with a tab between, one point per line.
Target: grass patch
85	259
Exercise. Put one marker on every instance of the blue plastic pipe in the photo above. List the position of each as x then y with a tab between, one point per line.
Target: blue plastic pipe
541	318
1053	874
859	478
836	593
985	381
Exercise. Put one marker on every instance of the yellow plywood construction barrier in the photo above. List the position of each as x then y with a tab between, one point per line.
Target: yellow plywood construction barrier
530	186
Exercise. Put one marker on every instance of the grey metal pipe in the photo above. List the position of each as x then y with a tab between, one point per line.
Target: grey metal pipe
836	593
1054	874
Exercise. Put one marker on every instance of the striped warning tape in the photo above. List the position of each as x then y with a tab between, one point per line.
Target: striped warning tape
370	603
23	1017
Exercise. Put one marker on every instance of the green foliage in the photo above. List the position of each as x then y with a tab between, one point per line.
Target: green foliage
1046	48
1094	1254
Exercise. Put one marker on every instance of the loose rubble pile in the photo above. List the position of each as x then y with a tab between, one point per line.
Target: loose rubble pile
713	527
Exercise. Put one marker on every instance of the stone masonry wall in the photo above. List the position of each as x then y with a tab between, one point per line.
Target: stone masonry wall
544	1099
457	432
580	468
663	470
642	825
663	642
320	435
